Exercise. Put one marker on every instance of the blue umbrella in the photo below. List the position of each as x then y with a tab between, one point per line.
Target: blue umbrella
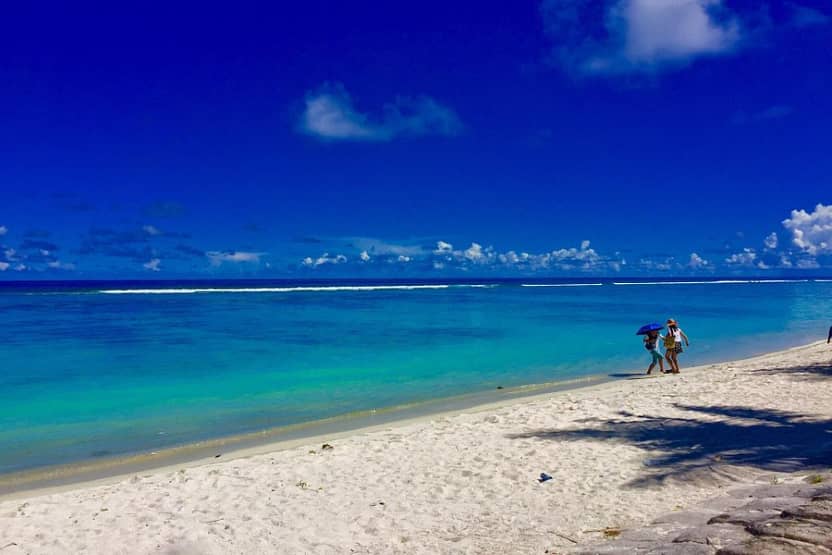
647	328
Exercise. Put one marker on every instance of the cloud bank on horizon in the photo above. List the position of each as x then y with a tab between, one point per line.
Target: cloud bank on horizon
810	248
150	249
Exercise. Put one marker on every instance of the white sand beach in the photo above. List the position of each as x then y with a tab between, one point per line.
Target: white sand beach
620	454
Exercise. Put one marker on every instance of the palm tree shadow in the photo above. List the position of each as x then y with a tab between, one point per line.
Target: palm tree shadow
712	437
804	371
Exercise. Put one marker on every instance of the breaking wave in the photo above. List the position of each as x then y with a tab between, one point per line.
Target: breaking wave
299	289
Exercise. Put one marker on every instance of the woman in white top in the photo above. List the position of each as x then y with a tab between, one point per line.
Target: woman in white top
673	344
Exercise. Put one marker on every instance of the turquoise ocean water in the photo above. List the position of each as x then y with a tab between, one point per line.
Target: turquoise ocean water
108	369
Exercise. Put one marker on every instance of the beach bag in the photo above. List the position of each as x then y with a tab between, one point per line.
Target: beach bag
669	341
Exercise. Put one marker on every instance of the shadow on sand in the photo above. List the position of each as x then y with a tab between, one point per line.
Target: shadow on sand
709	437
629	375
809	371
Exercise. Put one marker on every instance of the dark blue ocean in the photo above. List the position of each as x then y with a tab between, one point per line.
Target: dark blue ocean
90	369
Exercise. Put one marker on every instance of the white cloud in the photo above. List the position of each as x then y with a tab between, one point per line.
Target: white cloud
443	248
511	258
4	266
330	114
808	264
771	241
573	253
58	265
474	253
151	230
697	261
152	265
641	35
377	247
659	265
659	31
218	257
811	231
582	258
585	254
371	249
21	268
10	254
445	257
325	258
3	230
745	258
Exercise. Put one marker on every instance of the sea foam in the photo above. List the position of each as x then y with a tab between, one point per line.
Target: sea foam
300	289
711	282
560	284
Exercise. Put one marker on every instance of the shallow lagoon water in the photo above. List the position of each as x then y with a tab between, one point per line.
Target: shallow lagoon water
107	369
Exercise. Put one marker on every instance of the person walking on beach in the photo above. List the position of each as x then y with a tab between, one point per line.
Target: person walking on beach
673	344
651	343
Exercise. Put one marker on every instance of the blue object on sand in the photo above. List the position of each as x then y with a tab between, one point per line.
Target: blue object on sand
647	328
544	477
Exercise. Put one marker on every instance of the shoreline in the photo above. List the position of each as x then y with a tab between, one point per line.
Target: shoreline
55	478
617	456
91	472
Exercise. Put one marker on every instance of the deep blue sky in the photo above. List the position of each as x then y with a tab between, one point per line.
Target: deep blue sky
270	140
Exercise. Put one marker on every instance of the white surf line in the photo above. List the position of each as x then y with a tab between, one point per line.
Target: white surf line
560	284
678	282
301	289
715	282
